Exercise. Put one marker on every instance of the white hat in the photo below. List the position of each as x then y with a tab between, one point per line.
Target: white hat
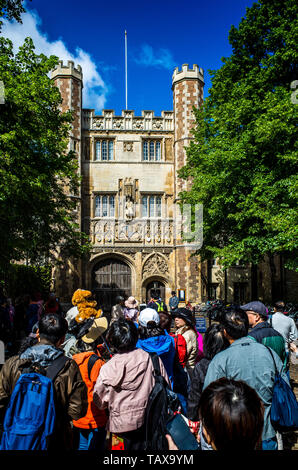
147	315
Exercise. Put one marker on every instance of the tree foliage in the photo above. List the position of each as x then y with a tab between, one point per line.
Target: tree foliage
11	9
243	158
36	212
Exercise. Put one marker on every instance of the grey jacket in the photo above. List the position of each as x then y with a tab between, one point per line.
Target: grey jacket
286	327
251	362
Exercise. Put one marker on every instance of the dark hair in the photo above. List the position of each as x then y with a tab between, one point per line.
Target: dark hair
214	341
173	292
235	322
151	330
155	295
119	299
52	327
232	414
122	335
279	306
27	343
165	321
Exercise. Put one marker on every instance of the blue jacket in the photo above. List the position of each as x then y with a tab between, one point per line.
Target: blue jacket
164	346
248	360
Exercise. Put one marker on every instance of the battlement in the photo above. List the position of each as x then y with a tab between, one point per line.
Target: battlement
196	73
128	121
67	70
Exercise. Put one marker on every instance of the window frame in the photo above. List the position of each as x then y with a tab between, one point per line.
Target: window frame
104	149
151	150
107	201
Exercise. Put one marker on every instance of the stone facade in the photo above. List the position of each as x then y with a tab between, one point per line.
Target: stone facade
128	200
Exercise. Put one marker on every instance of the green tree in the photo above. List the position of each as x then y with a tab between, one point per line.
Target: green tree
243	159
11	9
37	171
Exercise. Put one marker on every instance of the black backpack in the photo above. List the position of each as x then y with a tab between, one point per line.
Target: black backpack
161	406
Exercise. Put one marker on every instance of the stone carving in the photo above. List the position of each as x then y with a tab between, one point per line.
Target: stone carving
98	123
155	264
138	124
128	146
129	208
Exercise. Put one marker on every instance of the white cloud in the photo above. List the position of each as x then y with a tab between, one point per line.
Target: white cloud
161	58
95	89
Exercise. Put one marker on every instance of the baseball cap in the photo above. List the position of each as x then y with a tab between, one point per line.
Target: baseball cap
147	315
255	306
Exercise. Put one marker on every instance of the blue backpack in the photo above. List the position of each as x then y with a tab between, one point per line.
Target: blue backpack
284	407
30	417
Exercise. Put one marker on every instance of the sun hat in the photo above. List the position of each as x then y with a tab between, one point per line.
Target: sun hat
131	302
147	315
257	307
97	328
185	314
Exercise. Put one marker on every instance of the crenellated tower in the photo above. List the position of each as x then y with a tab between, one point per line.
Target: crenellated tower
187	86
69	81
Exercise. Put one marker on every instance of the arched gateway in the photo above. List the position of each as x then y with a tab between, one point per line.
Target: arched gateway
110	277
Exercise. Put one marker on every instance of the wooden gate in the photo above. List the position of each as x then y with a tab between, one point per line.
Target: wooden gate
111	277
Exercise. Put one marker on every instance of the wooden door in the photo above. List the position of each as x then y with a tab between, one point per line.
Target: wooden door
111	278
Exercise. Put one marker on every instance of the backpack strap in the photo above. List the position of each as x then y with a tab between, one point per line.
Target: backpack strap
56	366
155	362
92	360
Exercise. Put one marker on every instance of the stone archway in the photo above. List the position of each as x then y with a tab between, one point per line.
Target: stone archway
111	277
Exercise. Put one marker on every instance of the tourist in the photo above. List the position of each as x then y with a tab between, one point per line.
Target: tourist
214	342
261	331
131	311
173	302
89	431
124	385
246	359
31	314
157	303
69	388
184	323
52	305
152	338
231	415
180	377
117	310
284	325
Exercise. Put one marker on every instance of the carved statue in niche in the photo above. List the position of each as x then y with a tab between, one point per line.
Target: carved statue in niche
129	208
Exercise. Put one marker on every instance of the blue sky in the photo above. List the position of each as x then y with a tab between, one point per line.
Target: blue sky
161	34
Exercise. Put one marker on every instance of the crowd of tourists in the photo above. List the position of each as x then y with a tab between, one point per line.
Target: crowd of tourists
103	372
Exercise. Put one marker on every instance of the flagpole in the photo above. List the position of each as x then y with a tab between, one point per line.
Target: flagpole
126	69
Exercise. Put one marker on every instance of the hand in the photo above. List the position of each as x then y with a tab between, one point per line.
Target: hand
293	347
172	445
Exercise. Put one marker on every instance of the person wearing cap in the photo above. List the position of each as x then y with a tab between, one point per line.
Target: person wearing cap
152	338
248	360
184	323
89	431
261	330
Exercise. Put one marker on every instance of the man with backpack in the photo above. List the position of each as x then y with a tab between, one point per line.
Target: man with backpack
47	390
156	303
